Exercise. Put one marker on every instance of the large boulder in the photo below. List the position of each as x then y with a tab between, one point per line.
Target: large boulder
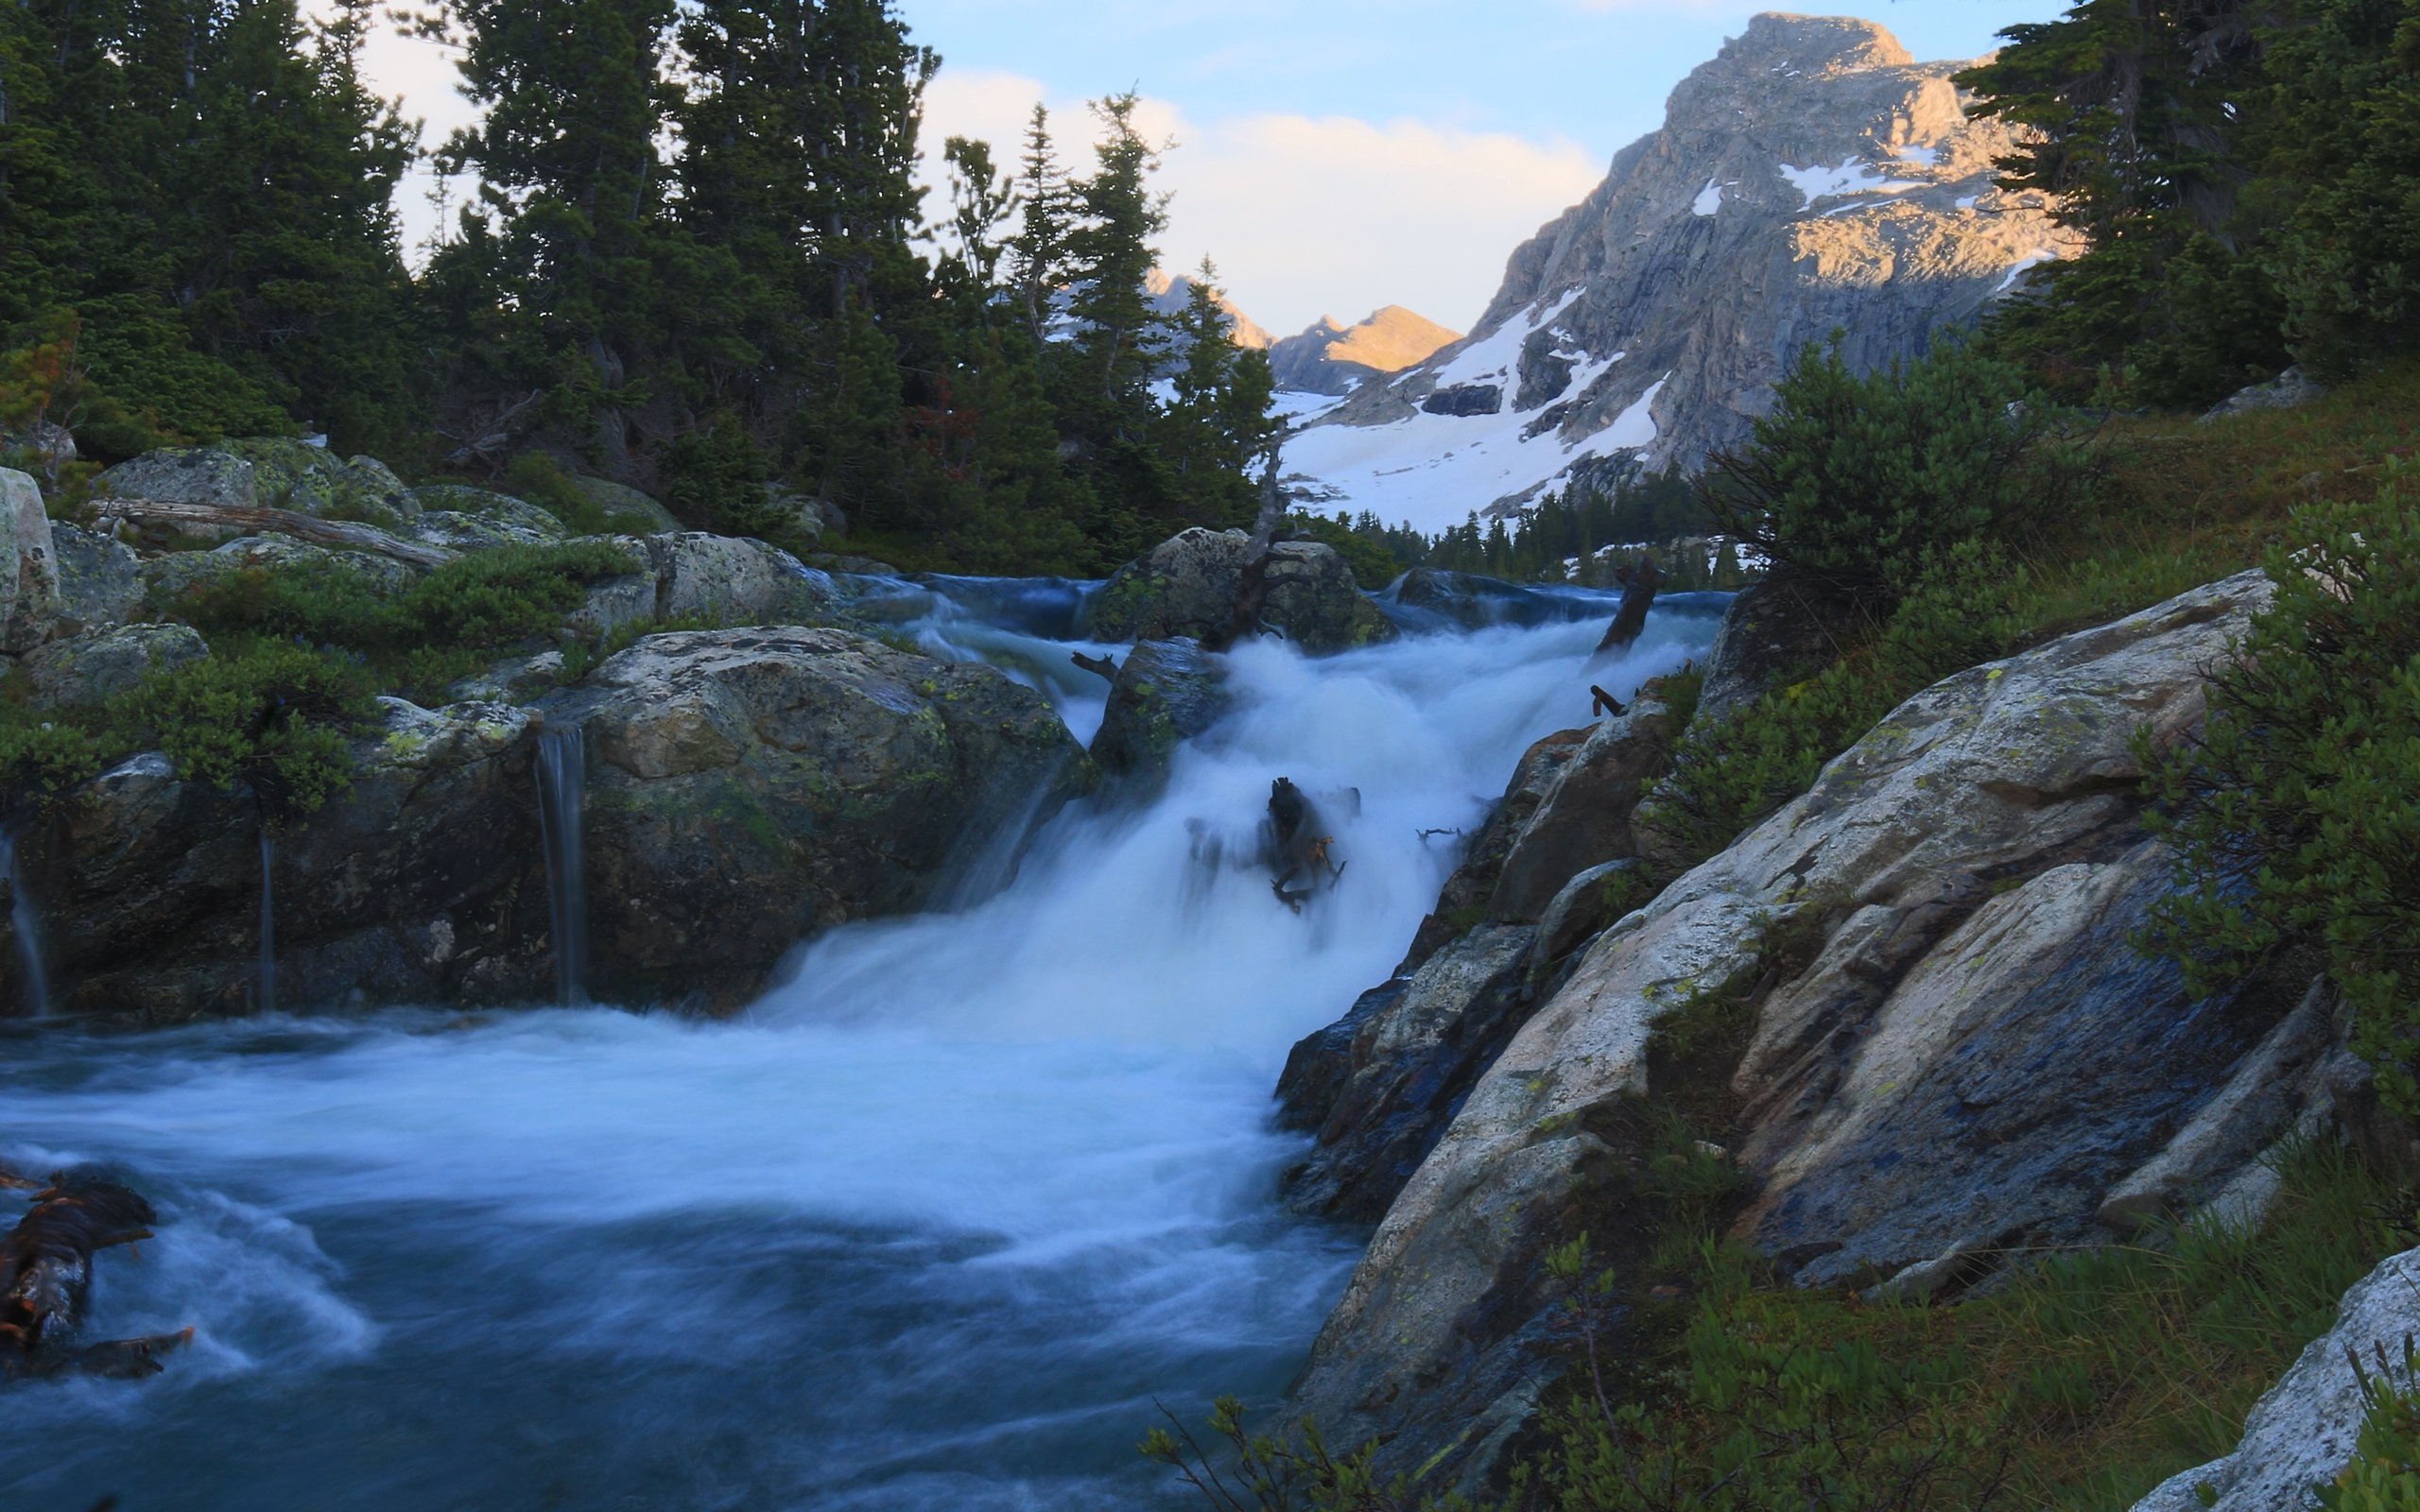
93	667
1167	693
424	884
29	565
1583	820
1776	629
748	788
733	580
100	580
1391	1080
456	504
1971	1059
2304	1432
166	576
308	479
182	475
1189	585
626	510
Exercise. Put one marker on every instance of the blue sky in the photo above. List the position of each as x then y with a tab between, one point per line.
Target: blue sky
1337	155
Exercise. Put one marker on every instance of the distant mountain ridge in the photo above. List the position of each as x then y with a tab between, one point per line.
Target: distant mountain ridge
1812	176
1334	359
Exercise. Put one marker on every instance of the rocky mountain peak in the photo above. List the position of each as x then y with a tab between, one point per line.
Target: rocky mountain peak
1334	358
1810	178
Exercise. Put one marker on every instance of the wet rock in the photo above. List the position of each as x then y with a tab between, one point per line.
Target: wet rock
1414	1053
1583	820
29	565
1773	631
1964	874
424	884
2305	1431
100	580
1188	584
1167	693
752	787
1462	902
91	668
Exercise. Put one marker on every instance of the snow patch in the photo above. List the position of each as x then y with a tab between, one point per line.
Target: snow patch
2027	264
1917	153
1850	178
1967	201
1709	199
1635	427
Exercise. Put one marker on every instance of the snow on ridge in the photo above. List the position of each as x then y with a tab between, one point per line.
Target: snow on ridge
1709	198
1492	357
1635	427
2025	264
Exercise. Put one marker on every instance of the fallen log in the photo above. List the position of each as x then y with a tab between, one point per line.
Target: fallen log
1099	667
1639	582
47	1282
1602	703
345	535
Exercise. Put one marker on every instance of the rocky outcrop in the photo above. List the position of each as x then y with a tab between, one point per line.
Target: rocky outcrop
29	565
733	579
1334	359
1812	176
1167	693
1582	819
2290	389
91	668
2304	1432
1187	585
1391	1073
422	884
265	472
749	788
1775	631
164	578
1959	1053
626	510
100	580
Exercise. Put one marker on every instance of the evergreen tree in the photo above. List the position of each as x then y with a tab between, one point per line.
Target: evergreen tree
1215	427
1038	266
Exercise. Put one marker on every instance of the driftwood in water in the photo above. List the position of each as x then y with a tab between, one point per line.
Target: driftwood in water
46	1281
1639	582
344	535
1299	849
1099	667
1603	703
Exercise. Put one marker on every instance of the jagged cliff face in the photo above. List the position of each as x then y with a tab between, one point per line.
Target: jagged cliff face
1169	293
1812	177
1334	359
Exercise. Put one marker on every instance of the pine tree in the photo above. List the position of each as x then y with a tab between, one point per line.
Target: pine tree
573	92
1038	253
1215	427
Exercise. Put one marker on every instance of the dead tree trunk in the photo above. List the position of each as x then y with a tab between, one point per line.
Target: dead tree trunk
342	534
46	1281
1640	583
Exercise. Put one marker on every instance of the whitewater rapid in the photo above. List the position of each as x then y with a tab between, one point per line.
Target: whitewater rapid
933	1226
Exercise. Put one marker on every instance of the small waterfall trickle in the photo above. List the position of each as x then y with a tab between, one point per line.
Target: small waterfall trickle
265	993
26	923
562	784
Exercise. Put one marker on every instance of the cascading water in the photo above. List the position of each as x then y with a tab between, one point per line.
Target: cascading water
931	1227
24	922
562	789
264	983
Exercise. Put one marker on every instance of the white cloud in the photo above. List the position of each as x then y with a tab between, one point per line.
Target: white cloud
1311	216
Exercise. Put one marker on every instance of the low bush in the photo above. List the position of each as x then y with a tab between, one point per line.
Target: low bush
2292	811
1863	483
271	714
42	759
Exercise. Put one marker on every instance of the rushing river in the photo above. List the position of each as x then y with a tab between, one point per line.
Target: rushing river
931	1227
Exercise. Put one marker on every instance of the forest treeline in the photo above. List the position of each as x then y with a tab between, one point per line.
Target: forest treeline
688	251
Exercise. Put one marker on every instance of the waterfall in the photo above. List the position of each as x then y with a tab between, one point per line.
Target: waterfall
563	782
26	923
265	995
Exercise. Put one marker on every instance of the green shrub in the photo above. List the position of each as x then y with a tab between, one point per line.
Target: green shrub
2292	810
1861	483
271	715
1728	774
541	479
716	478
42	760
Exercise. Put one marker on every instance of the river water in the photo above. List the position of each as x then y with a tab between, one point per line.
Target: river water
932	1227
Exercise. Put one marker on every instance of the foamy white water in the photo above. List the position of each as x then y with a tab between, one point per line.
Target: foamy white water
928	1229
